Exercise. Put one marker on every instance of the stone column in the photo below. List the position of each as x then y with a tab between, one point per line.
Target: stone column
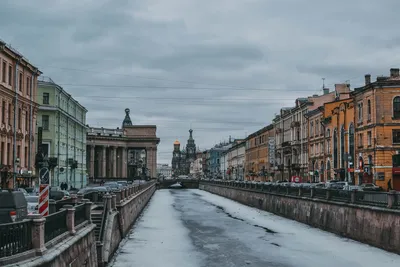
38	233
114	162
70	218
92	159
88	209
124	164
103	162
113	201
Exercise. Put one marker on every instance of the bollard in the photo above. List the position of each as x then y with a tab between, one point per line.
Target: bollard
80	197
118	195
392	194
74	198
312	192
70	218
300	191
38	233
122	194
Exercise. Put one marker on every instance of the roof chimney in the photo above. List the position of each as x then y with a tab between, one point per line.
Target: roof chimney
394	72
367	79
326	91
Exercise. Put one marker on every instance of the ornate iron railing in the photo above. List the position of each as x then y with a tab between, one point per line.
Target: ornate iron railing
55	225
15	238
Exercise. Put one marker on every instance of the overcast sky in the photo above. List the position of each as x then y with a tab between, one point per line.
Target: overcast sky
224	67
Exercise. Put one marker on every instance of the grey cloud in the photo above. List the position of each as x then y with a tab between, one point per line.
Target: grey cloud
286	45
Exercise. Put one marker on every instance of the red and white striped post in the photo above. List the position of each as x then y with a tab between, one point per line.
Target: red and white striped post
44	190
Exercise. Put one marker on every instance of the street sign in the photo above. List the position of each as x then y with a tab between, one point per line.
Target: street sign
44	176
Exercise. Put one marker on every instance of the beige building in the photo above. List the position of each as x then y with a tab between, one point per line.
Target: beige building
18	111
126	153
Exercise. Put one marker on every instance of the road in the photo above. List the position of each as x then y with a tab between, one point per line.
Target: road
193	228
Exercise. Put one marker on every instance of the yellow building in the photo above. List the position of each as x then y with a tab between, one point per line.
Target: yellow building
259	147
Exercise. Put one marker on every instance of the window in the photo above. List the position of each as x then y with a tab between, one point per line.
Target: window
335	149
20	81
45	98
28	85
9	114
312	129
396	107
369	110
316	127
360	112
45	122
4	71
10	76
342	156
19	152
298	135
2	153
3	112
328	133
396	136
360	140
312	149
369	137
9	158
351	141
19	118
27	121
321	128
26	157
328	146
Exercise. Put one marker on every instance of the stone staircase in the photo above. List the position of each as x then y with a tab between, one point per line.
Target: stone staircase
97	216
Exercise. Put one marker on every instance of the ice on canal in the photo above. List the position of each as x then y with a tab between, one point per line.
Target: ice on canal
195	228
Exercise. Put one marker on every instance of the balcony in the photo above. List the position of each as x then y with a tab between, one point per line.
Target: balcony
285	144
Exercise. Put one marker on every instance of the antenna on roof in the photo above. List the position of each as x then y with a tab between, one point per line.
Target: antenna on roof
323	83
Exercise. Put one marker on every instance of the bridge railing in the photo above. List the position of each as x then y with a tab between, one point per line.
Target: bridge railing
380	199
35	234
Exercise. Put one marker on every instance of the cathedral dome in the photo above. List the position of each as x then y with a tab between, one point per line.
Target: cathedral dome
177	142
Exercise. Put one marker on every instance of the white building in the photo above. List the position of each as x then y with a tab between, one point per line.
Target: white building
164	170
196	168
63	121
236	161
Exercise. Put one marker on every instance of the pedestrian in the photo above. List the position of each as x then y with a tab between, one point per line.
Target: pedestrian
389	184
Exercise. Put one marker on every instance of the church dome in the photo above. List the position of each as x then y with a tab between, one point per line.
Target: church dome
177	142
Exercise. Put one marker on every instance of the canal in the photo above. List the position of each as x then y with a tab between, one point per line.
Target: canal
193	228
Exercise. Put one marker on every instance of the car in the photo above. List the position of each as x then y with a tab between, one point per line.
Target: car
33	204
13	206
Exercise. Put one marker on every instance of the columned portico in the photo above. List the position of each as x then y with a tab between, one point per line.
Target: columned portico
114	151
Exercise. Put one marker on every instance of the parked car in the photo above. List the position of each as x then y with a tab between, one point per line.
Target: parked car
58	194
370	187
13	206
33	204
113	185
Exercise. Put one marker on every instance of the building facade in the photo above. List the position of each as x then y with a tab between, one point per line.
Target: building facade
259	165
196	167
164	171
63	122
129	152
338	122
236	161
18	109
182	158
377	130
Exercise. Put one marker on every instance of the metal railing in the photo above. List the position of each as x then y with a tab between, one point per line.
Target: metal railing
368	198
15	238
80	214
55	225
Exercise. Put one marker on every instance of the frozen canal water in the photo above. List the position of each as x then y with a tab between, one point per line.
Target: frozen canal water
193	228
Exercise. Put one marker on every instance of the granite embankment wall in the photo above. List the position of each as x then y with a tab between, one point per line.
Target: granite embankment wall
379	227
119	221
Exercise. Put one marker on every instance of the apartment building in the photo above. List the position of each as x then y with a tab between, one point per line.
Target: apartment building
63	121
18	79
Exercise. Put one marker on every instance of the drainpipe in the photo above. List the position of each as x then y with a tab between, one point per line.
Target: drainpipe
30	124
15	123
58	136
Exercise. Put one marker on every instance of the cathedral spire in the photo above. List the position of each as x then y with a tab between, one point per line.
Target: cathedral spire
127	121
190	134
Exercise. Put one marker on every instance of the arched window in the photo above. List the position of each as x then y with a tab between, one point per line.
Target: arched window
396	107
351	142
312	129
335	149
342	147
322	166
370	160
328	133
